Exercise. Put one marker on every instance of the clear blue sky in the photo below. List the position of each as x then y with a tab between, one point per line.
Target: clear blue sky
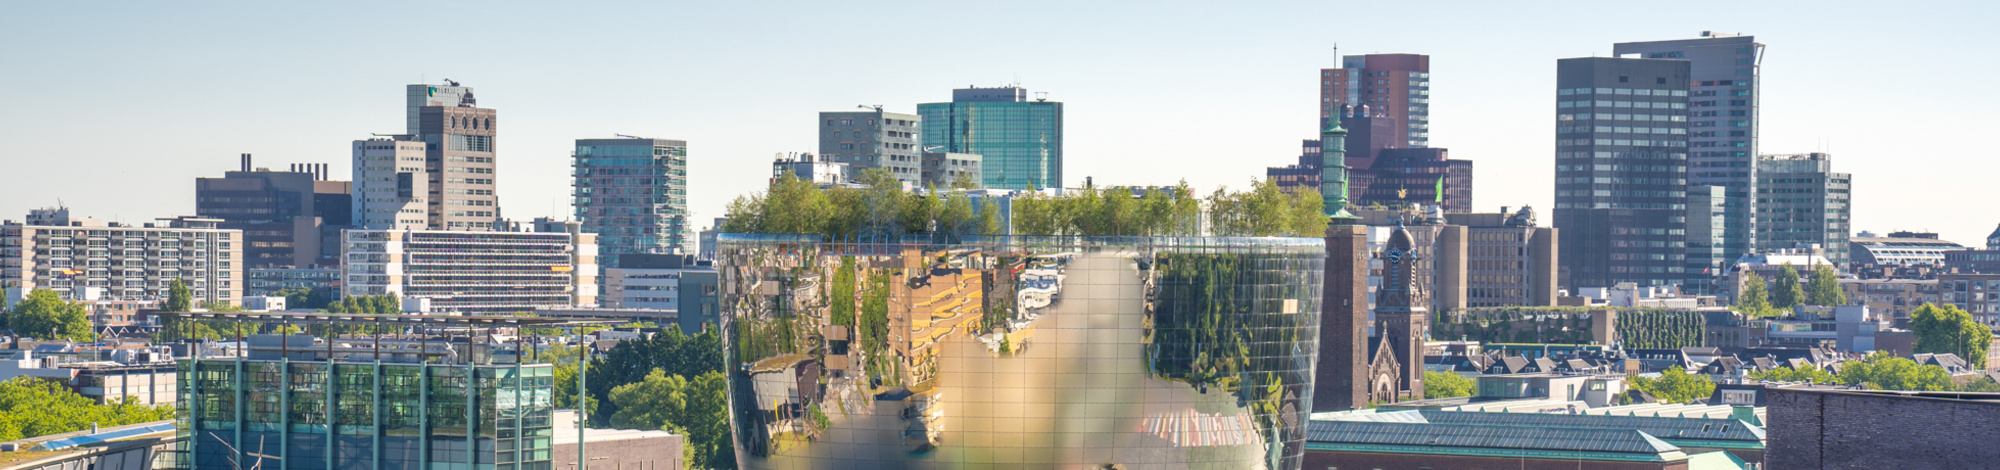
115	108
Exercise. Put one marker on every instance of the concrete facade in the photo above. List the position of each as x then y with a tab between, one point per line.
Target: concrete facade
474	273
288	218
120	262
391	185
874	139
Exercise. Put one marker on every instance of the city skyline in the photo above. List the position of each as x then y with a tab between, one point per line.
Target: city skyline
1237	81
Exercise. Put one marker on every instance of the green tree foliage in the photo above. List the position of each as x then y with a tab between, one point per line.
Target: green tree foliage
1675	385
46	315
179	298
1881	371
305	298
629	362
1982	385
1447	384
1944	329
1824	288
31	407
1810	373
697	409
1785	290
368	304
1265	211
1753	301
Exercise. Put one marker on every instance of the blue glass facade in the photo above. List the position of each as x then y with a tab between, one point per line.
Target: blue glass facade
1021	141
632	193
1020	352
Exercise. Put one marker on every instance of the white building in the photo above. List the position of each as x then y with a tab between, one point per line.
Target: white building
643	281
391	185
473	272
113	261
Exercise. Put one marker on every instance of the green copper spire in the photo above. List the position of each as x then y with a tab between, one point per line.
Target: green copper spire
1333	172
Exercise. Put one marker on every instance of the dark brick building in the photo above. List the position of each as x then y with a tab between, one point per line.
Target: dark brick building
1382	171
1812	428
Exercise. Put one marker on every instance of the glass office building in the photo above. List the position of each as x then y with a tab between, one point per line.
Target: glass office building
448	397
632	193
1020	352
1019	140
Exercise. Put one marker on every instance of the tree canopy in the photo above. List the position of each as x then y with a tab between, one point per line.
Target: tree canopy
1447	384
1824	288
31	407
1810	373
46	315
1753	301
1881	371
1675	385
1945	329
697	409
179	298
882	209
1785	289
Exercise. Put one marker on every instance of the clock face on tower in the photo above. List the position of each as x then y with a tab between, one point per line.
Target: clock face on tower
1395	256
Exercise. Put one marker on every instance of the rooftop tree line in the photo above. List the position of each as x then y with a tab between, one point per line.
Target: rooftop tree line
881	209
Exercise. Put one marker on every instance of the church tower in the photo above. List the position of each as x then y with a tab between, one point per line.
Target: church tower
1401	315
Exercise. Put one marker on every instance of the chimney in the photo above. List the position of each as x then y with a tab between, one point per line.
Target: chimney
246	162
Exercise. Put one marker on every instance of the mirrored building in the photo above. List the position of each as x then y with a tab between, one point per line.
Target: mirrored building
1020	352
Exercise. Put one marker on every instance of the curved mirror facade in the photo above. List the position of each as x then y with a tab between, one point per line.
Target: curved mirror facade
1013	352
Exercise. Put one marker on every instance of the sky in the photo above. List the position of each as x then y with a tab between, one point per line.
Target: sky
113	108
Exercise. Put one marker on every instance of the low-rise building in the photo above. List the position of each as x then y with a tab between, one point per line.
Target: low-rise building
1900	248
1895	298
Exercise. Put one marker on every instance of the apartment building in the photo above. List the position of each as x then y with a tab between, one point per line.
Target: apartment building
475	272
87	260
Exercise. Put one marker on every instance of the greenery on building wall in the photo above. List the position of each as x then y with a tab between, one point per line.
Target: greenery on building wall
1637	327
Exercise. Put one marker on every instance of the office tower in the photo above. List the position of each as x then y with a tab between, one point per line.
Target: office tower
1621	171
289	218
475	273
1722	141
1399	85
1706	223
1070	353
1382	171
1021	140
391	182
873	139
459	155
632	193
1802	202
84	259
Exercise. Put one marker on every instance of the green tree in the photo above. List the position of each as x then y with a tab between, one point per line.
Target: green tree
1881	371
1944	329
695	408
1785	290
1824	288
1810	373
31	407
1753	301
46	315
1447	384
1675	385
179	298
1982	385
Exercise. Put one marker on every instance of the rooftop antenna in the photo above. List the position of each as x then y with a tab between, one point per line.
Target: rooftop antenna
876	107
628	136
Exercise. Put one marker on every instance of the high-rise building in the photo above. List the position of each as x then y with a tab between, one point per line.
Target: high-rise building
1399	85
475	273
874	139
1020	140
87	260
1382	170
1800	202
632	193
391	184
459	156
289	219
1621	171
1723	84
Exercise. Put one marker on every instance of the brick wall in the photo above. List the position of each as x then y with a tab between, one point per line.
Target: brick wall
1819	429
655	453
1341	381
1324	460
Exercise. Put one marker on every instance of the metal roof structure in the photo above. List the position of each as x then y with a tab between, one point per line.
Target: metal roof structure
392	319
1663	427
1457	438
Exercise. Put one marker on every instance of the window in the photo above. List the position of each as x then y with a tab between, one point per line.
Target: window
1623	79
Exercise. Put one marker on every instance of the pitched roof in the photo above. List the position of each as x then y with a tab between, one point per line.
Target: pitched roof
1435	436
